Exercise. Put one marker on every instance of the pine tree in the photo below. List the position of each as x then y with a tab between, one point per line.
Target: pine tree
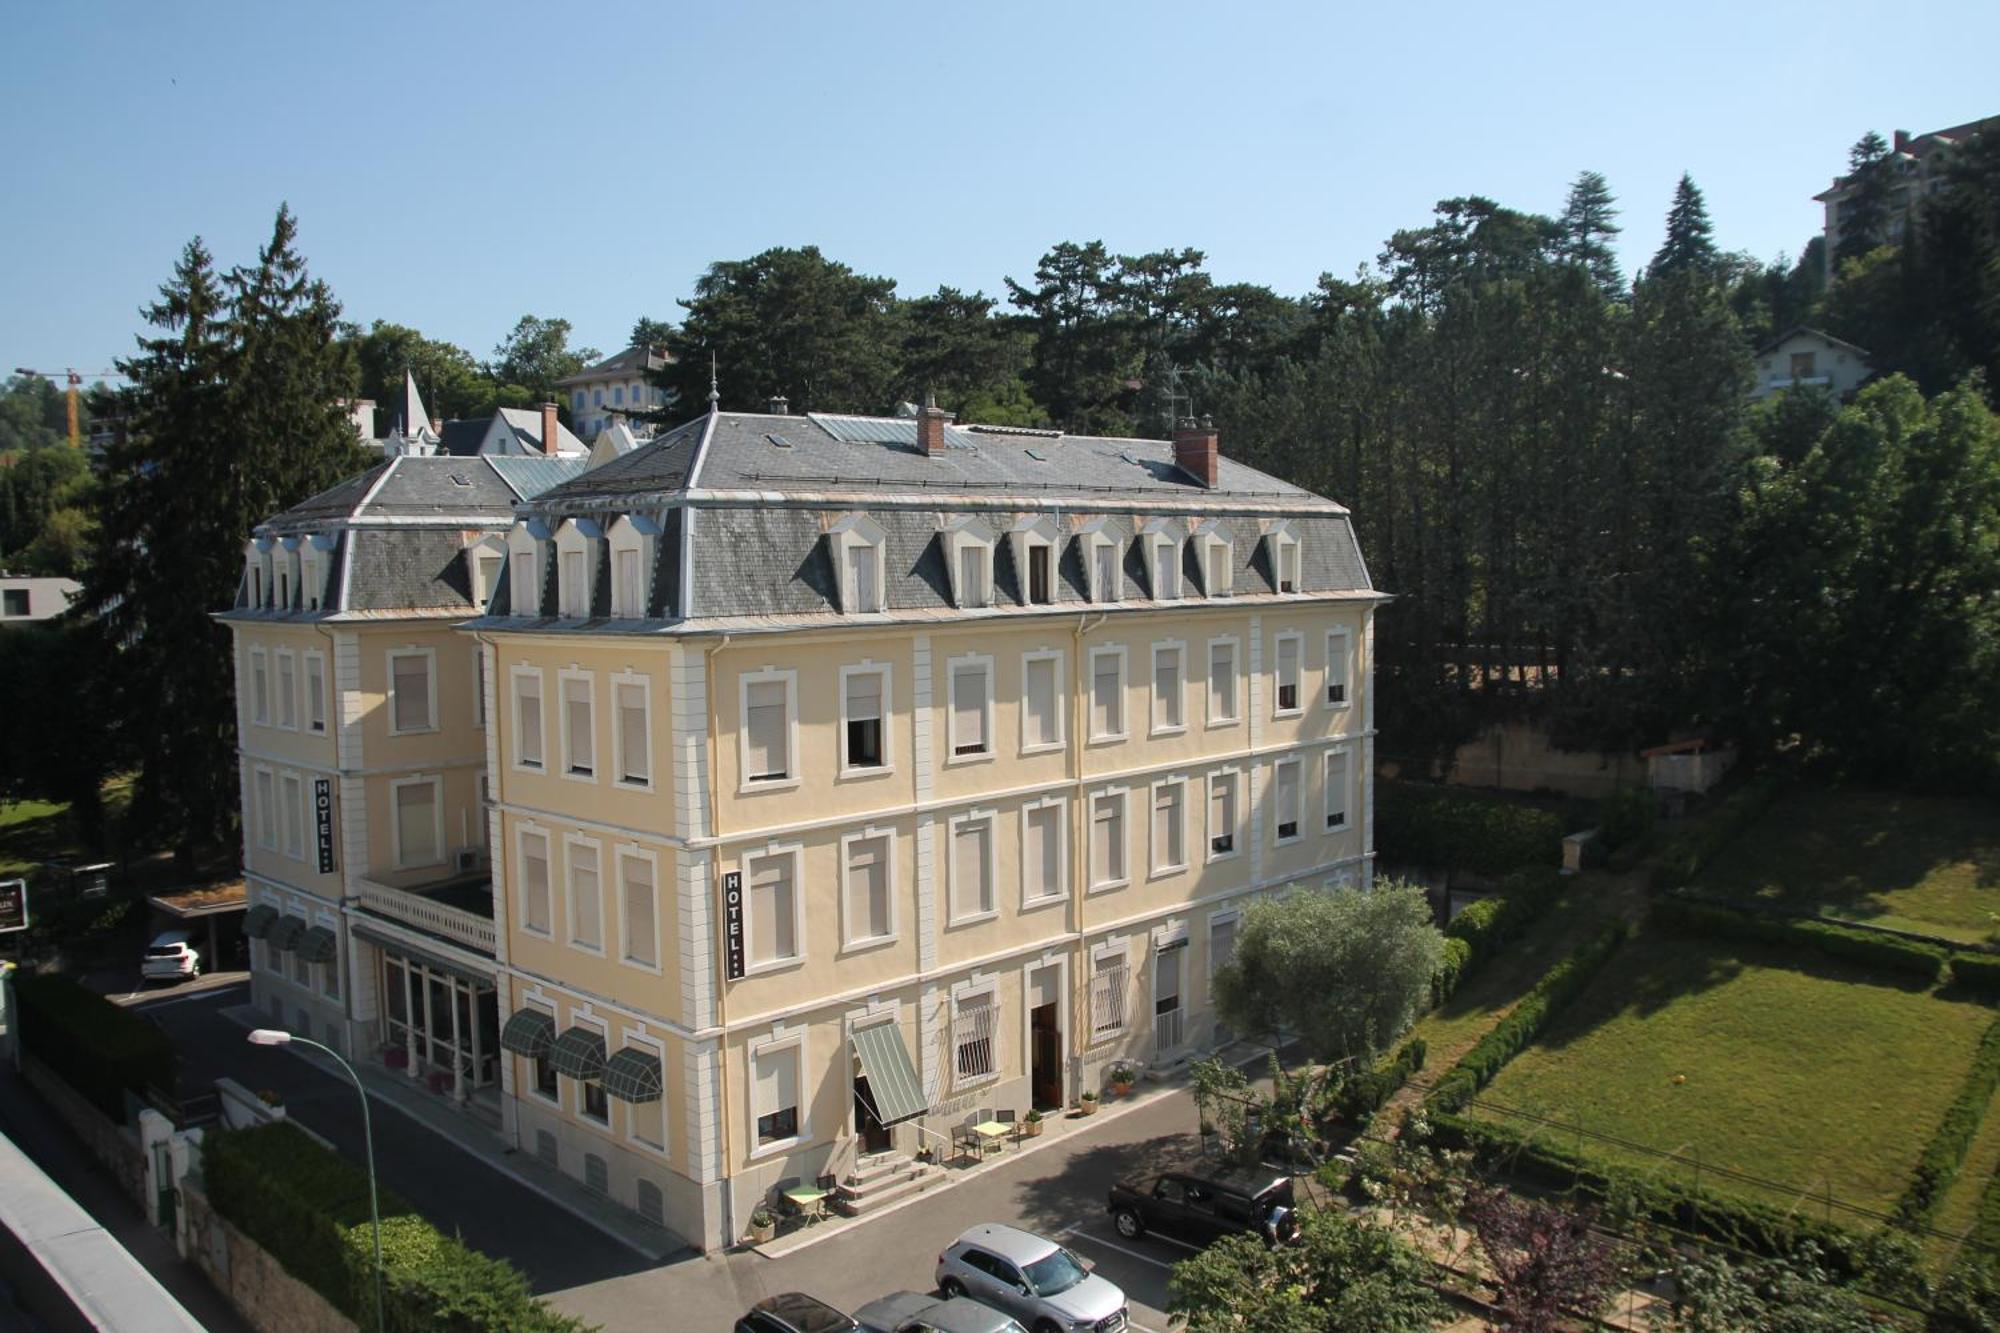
1585	231
1690	243
1864	214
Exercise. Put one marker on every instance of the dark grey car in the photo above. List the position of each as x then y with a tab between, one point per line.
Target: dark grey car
911	1312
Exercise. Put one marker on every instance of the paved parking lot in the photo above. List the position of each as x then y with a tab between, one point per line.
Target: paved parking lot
1057	1190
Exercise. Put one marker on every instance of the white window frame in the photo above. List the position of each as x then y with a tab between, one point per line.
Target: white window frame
573	602
285	662
851	533
771	1047
1031	535
1339	667
1153	535
1346	755
267	809
850	941
1232	778
1029	745
1094	538
1235	715
624	535
796	853
745	784
886	672
1029	870
1124	723
260	687
312	575
620	854
961	998
564	675
970	535
571	841
1298	705
1285	549
619	680
1157	868
436	784
515	676
524	557
634	1037
430	689
1218	569
1119	955
1279	839
953	666
482	586
313	662
292	812
954	917
1123	795
1159	726
522	834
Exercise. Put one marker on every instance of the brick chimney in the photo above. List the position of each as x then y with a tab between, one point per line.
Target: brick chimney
549	428
930	426
1196	450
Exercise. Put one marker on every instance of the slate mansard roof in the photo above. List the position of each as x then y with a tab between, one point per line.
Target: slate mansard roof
741	507
394	539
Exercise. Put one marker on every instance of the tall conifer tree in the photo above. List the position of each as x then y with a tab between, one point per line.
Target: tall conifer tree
1690	243
1585	231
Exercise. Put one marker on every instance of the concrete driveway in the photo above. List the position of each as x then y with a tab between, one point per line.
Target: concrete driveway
1057	1190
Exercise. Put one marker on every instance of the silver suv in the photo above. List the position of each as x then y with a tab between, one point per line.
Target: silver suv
1032	1278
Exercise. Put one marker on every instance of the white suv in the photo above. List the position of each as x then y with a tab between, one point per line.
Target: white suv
170	958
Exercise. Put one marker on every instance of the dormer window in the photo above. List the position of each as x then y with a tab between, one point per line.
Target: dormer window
858	549
1285	559
487	561
1163	557
1102	554
627	547
312	576
1218	565
524	574
969	547
574	572
1035	559
284	586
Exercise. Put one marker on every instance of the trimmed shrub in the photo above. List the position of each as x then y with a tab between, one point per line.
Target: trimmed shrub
1460	830
1687	855
1977	972
1889	952
95	1046
1452	964
1490	922
1364	1094
1560	984
1945	1153
1626	816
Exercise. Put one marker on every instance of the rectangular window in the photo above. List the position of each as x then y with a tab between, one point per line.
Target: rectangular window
863	710
526	583
1107	695
773	909
1041	702
1041	582
1285	796
315	693
417	823
971	869
637	895
487	566
971	575
1222	681
777	1078
288	692
1288	566
528	719
1104	570
648	1124
595	1105
1108	978
1168	696
1336	789
1169	827
586	897
1221	814
545	1077
410	692
329	973
260	687
864	576
767	731
971	699
1166	569
1337	668
972	1037
635	736
574	593
1041	853
535	882
267	810
292	805
868	907
1107	839
631	588
579	727
1221	571
1288	673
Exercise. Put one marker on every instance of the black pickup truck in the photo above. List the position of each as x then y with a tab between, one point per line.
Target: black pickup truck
1197	1206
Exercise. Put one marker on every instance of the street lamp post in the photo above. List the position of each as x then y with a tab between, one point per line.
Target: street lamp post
280	1037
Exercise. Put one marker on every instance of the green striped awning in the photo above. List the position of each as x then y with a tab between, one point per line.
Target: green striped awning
529	1032
892	1077
284	936
257	922
318	945
633	1075
579	1053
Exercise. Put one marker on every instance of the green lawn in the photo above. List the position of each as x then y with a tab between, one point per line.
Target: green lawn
1816	1078
1926	864
1960	1205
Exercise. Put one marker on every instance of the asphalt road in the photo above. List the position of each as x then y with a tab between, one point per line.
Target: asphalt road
1058	1191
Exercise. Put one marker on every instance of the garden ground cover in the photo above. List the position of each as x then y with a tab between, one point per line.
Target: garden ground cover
1926	864
1806	1071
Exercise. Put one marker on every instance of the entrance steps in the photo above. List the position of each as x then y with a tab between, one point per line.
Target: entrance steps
880	1179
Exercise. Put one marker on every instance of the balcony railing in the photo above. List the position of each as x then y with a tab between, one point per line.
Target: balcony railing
413	908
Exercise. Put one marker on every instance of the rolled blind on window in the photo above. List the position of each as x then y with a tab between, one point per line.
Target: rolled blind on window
864	697
764	719
411	682
631	598
640	930
1221	679
1167	687
576	703
416	822
969	843
287	692
777	1081
1107	830
316	693
1043	862
1106	563
968	709
1221	943
529	741
535	881
868	882
1167	825
1165	569
1040	687
527	591
1288	793
771	933
861	560
1105	712
1221	808
1336	789
632	728
586	899
1288	661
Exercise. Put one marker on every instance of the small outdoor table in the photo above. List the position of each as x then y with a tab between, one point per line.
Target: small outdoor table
992	1132
810	1201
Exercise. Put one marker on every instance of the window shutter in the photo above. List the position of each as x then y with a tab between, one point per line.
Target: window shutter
766	726
1165	571
1041	691
535	881
412	679
529	742
586	899
631	600
970	891
632	729
578	721
771	909
416	823
640	927
868	882
968	709
1105	712
1106	558
861	559
1042	864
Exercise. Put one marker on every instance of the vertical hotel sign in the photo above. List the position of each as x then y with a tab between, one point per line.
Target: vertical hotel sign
323	822
732	924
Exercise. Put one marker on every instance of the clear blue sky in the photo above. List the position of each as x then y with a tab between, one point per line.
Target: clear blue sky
456	166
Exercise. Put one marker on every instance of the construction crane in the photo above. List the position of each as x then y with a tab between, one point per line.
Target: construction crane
74	380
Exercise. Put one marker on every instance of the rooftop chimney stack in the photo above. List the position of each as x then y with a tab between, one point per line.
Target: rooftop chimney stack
549	429
1197	451
930	426
780	406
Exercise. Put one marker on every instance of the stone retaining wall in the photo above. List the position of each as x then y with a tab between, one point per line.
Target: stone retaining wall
271	1299
114	1145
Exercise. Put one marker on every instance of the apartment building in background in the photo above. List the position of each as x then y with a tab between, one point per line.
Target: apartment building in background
1918	166
618	386
850	776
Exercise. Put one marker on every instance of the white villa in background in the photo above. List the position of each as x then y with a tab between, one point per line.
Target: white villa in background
1802	357
615	386
28	597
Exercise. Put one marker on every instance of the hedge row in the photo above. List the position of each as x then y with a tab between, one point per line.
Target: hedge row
1365	1094
1475	934
309	1208
96	1047
1686	856
1737	1222
1978	972
1945	1153
1888	952
1459	830
1477	1067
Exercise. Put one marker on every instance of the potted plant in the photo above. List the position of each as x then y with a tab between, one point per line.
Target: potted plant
1122	1077
763	1225
926	1154
1031	1124
1087	1103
